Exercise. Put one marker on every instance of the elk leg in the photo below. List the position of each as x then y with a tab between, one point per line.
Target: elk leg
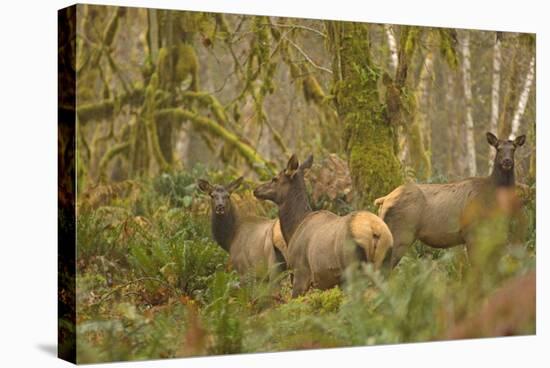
301	282
397	253
401	242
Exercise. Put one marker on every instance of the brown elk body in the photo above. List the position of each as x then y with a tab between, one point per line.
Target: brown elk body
321	244
511	310
255	244
445	215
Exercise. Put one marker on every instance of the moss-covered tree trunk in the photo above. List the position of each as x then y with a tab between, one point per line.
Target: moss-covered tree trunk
370	140
511	97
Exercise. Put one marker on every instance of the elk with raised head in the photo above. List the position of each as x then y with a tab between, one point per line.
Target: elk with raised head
321	244
255	244
474	210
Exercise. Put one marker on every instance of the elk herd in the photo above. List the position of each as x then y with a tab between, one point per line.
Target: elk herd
318	246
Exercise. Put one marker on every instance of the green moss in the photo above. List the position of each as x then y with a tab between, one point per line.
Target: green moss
413	34
187	65
313	90
151	125
447	46
370	140
177	64
419	156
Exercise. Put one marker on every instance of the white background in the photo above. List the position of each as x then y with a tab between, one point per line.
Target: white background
28	169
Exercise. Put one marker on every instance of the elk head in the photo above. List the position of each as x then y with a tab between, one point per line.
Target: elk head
504	158
219	194
279	188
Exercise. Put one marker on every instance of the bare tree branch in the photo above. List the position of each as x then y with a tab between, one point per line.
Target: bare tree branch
309	60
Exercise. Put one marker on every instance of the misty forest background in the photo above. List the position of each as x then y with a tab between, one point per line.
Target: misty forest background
167	97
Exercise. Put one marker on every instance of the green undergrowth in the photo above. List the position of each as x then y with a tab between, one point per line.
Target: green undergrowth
152	284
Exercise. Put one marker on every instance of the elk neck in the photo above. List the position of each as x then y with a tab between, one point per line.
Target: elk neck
224	226
501	177
294	209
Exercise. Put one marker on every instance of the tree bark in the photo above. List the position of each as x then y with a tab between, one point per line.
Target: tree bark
392	44
403	144
420	124
510	99
523	97
495	96
369	139
470	142
402	104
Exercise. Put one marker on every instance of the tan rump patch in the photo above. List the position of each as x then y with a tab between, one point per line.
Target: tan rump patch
370	232
388	201
379	201
360	228
278	239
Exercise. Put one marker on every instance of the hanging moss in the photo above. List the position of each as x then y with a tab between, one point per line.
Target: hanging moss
188	23
113	152
420	160
138	152
183	59
177	67
447	46
222	28
209	101
112	28
187	66
313	90
105	110
512	95
412	120
261	43
163	67
412	39
149	117
253	158
369	140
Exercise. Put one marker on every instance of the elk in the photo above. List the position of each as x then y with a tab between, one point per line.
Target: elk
511	310
254	243
464	212
321	244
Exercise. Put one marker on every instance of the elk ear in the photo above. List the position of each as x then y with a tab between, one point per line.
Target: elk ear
492	139
306	165
519	141
205	186
234	184
291	166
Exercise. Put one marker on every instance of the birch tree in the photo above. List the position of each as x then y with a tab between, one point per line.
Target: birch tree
470	142
495	94
394	63
392	44
419	130
524	96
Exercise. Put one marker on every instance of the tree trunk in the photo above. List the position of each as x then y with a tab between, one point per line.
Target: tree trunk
420	146
392	44
369	139
522	103
495	94
452	133
403	144
509	103
470	142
